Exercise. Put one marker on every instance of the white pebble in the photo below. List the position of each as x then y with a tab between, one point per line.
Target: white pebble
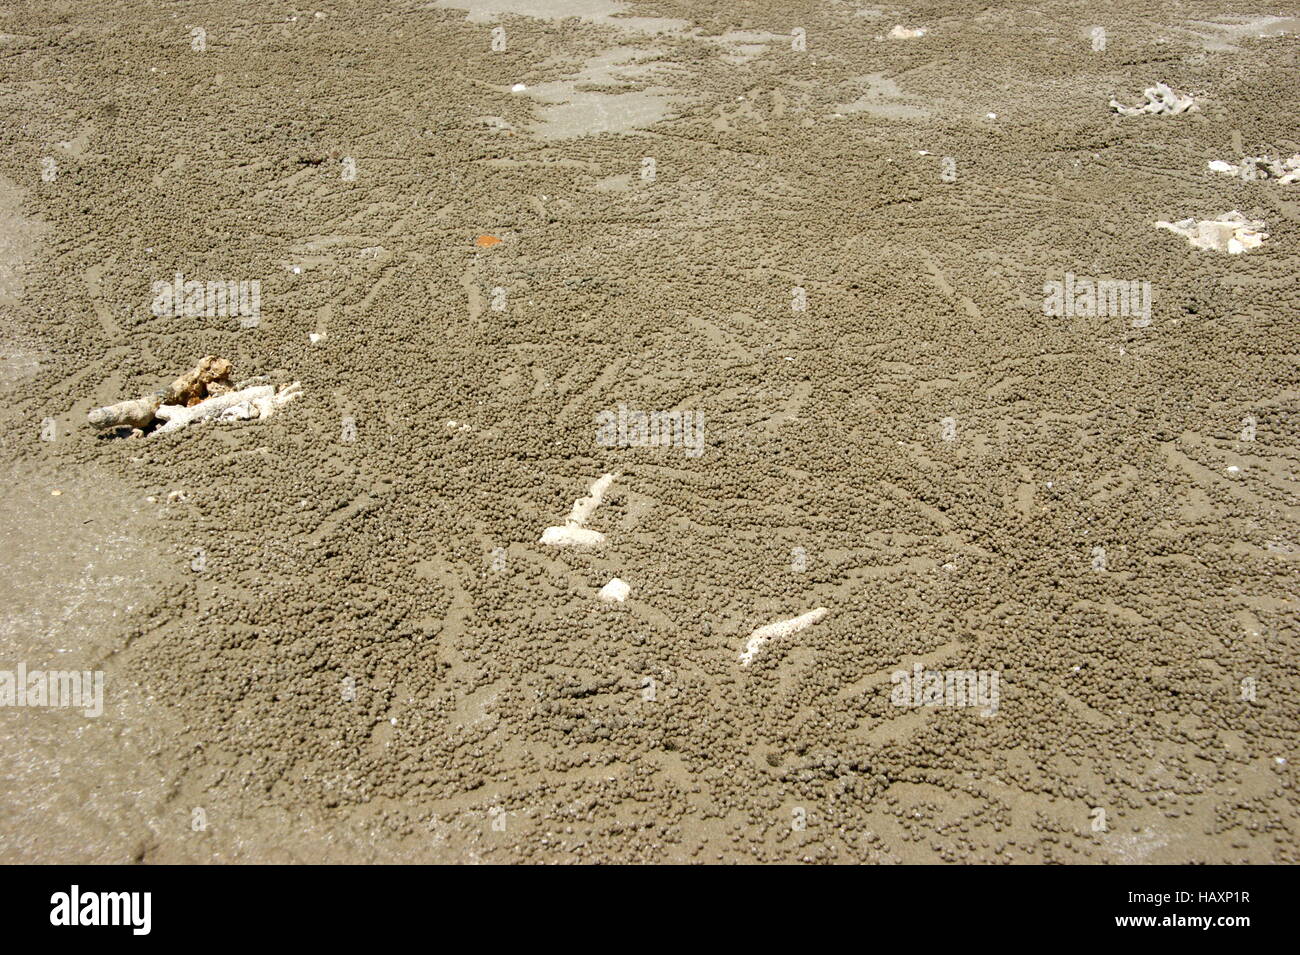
615	591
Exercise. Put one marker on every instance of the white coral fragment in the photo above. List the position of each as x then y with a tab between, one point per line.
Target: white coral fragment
1285	171
1161	100
584	507
574	532
901	32
569	536
202	393
138	413
260	401
1231	232
262	405
783	628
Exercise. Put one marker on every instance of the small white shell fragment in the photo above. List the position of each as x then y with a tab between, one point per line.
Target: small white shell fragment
316	337
1218	165
783	628
901	32
519	88
615	591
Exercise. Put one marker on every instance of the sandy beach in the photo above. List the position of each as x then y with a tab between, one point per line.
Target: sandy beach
731	433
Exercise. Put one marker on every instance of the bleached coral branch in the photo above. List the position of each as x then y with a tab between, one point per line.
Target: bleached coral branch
137	413
574	533
260	401
783	628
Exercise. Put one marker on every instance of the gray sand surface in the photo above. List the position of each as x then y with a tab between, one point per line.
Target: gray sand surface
334	636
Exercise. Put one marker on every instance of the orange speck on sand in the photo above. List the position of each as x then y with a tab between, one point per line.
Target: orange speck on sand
487	241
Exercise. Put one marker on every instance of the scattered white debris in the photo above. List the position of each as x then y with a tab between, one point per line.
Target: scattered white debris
783	628
903	33
991	115
574	532
615	591
1160	101
1285	171
316	337
1231	232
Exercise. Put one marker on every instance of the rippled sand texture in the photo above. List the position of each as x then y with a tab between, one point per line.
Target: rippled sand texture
822	245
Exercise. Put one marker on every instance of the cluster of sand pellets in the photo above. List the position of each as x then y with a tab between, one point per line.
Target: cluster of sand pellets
368	635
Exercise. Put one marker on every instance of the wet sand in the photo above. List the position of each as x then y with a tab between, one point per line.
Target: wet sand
821	253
